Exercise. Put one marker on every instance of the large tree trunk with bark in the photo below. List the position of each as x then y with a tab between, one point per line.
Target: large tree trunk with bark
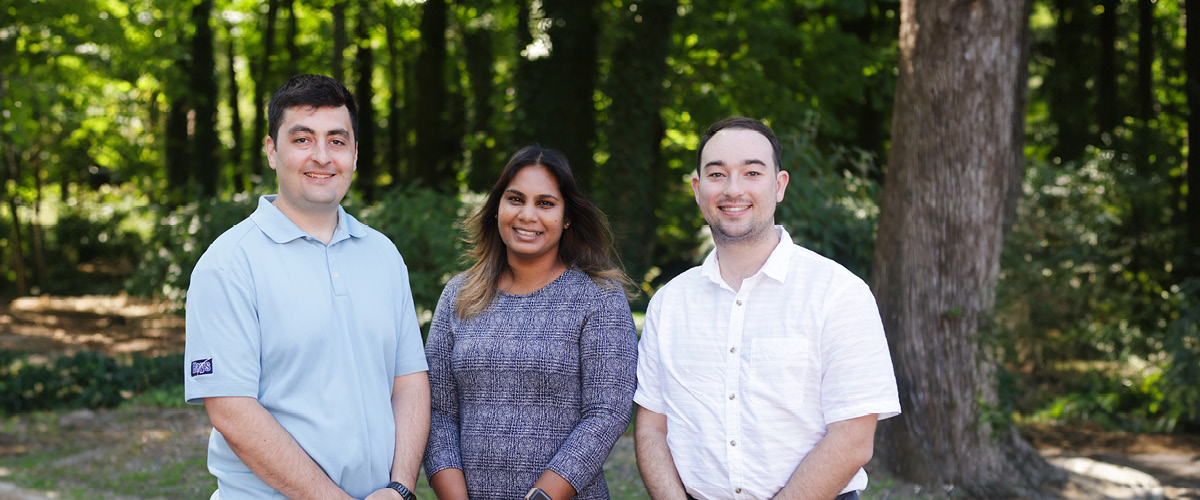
635	131
954	166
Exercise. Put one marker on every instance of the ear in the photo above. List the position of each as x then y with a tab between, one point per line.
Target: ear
355	167
781	180
696	186
269	148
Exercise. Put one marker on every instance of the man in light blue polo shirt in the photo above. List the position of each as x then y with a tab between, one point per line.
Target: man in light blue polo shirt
302	340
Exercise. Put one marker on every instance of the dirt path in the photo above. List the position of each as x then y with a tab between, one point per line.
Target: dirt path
140	453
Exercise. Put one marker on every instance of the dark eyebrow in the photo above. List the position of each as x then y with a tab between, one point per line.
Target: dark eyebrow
720	163
547	197
540	197
297	129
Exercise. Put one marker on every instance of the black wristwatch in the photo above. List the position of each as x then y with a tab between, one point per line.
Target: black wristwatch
408	495
536	494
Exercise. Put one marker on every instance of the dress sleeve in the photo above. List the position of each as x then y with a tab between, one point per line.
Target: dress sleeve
442	451
221	354
608	369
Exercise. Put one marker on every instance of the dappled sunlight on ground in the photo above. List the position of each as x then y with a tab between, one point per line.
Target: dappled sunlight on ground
110	324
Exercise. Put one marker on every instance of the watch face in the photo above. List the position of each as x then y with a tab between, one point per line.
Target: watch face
537	494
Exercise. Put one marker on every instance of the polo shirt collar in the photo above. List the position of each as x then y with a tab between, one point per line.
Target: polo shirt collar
776	266
281	229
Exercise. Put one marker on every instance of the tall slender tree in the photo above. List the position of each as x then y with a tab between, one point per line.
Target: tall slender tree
206	158
364	64
431	166
556	80
634	168
1192	65
1108	107
338	63
262	86
953	167
236	164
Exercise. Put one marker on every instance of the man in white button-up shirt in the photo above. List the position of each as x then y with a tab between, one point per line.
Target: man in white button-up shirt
762	372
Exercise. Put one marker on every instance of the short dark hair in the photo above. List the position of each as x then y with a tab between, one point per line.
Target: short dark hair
736	122
318	91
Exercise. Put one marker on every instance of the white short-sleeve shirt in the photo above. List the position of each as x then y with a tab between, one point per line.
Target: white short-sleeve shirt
749	380
315	332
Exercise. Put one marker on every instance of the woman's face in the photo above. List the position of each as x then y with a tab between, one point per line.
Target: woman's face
532	213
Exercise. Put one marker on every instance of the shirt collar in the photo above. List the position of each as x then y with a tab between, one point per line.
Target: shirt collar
776	266
281	229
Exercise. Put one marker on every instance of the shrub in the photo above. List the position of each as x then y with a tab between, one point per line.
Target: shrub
82	380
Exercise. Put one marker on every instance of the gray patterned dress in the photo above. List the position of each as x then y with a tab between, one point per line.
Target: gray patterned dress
535	382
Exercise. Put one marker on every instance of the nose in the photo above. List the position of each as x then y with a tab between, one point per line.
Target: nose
526	213
321	154
733	187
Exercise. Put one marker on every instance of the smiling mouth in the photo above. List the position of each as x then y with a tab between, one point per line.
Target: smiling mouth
523	232
318	176
734	209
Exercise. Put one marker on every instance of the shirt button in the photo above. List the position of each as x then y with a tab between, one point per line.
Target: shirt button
731	396
335	275
739	490
733	443
739	302
732	349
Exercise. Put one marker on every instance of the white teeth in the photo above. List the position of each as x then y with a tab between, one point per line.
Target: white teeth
320	176
735	209
527	233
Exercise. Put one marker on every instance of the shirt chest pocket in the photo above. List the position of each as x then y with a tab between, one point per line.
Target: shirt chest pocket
782	372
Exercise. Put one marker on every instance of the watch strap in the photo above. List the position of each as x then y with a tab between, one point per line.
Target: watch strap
408	495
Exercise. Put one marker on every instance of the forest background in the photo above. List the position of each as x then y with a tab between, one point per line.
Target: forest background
131	136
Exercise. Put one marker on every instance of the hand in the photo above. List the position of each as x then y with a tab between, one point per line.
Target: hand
384	494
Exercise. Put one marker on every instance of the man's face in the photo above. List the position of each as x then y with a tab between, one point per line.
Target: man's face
315	158
737	186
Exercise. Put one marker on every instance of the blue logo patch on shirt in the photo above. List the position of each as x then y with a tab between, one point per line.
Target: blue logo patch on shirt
202	367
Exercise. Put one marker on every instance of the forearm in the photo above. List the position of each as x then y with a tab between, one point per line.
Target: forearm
410	406
268	450
830	466
654	457
449	484
555	485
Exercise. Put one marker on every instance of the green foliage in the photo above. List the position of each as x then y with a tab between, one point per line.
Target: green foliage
1183	346
1113	396
829	205
165	267
423	224
83	380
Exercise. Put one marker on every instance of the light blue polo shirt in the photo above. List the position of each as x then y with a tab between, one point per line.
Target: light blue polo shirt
316	332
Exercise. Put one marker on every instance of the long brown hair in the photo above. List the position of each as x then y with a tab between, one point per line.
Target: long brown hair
586	246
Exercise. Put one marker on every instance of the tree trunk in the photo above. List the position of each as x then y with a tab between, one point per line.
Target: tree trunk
485	164
397	140
235	119
178	162
206	147
1108	108
1145	55
431	164
1063	82
11	171
262	86
1192	65
364	62
293	29
339	41
951	171
560	84
634	166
